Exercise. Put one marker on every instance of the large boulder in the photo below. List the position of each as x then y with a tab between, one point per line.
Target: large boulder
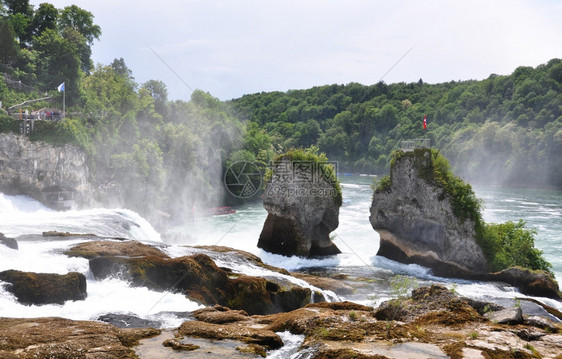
415	219
303	208
8	242
530	282
45	288
197	276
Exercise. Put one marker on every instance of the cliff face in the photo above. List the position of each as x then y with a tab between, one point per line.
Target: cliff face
301	213
38	169
416	222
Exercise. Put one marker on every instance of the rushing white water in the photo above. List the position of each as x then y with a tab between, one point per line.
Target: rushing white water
20	215
369	274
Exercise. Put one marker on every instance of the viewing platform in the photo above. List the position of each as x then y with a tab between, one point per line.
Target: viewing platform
410	145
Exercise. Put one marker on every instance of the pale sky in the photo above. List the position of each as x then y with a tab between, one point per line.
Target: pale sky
232	48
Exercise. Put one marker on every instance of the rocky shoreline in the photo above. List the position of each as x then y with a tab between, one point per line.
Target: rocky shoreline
248	317
432	323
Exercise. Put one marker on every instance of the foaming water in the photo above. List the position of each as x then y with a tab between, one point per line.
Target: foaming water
369	274
289	350
22	215
106	296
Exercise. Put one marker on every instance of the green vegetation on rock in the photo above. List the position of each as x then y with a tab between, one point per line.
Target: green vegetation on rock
510	244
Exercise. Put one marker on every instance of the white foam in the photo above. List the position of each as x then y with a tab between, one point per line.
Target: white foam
106	296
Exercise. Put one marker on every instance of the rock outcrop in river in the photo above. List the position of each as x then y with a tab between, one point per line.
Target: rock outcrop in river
38	168
44	288
417	223
197	276
426	217
303	208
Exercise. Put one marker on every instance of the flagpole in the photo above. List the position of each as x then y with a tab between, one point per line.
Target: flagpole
64	99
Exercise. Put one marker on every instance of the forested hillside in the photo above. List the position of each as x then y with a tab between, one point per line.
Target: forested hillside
505	129
149	153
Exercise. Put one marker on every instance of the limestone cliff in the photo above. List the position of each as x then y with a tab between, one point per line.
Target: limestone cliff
303	208
417	222
39	168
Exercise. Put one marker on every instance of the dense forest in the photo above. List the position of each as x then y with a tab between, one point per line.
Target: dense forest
144	149
504	129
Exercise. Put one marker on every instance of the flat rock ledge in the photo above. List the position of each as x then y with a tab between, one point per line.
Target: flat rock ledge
67	339
434	321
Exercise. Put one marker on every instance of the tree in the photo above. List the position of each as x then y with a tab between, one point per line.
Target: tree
159	93
57	61
21	14
8	45
46	17
81	20
81	48
121	69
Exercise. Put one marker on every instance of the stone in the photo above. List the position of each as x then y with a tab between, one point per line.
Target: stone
9	242
35	167
220	315
127	321
93	249
197	276
45	288
506	316
67	339
179	346
417	224
541	322
235	331
301	214
530	282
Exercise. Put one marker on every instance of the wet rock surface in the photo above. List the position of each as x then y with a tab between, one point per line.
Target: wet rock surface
63	338
8	242
44	288
197	276
432	323
302	212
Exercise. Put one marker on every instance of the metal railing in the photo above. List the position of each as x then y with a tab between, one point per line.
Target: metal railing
410	145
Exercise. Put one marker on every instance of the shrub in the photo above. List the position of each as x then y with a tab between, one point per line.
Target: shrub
510	244
8	124
382	185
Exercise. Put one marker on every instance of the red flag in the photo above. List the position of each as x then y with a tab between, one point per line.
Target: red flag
424	122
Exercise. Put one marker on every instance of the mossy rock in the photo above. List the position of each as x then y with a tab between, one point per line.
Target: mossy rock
45	288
